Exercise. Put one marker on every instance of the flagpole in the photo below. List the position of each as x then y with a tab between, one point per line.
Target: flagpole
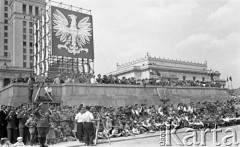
231	85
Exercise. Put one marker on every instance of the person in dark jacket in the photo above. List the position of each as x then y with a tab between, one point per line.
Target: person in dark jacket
43	123
12	126
3	122
23	116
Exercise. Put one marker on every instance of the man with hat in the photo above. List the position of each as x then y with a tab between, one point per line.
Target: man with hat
43	123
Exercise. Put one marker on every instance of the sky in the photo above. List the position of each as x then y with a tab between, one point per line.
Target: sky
190	30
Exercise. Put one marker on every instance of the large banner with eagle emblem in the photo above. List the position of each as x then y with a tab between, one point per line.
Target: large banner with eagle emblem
72	33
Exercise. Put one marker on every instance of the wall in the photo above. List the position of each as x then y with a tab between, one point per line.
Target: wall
115	95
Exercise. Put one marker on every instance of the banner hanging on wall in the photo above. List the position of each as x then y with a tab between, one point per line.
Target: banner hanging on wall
72	33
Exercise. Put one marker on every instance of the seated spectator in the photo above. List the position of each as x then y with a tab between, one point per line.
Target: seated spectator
19	142
20	79
99	79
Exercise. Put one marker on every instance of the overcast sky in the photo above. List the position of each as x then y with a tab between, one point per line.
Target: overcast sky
192	30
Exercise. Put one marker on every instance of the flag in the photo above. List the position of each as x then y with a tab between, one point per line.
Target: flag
227	79
230	78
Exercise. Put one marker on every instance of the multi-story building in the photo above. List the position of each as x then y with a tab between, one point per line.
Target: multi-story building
166	69
16	37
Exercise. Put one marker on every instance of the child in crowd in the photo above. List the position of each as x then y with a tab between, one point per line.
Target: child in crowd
135	130
59	134
5	142
19	142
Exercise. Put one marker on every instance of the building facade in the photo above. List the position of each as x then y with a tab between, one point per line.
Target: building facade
165	69
16	36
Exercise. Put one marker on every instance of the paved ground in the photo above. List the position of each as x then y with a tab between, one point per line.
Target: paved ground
152	139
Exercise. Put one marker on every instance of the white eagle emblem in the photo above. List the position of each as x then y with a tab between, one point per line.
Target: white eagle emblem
74	36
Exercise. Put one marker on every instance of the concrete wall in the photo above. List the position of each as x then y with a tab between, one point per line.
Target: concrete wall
114	95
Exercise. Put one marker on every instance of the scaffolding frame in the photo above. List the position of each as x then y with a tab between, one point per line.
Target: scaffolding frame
51	65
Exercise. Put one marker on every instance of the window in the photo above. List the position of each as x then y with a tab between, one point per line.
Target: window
6	28
24	50
31	51
24	43
31	44
5	9
31	64
30	9
24	57
5	21
203	78
5	54
6	15
5	41
24	8
24	30
36	10
25	37
30	24
31	37
194	78
6	2
5	47
31	31
24	64
184	78
5	34
31	57
24	23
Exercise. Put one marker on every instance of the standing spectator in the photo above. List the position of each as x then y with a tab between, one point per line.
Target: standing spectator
79	121
30	82
23	116
31	124
3	122
12	126
88	127
43	123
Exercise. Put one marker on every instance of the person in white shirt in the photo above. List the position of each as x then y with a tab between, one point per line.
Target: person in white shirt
93	80
48	91
79	121
88	128
19	142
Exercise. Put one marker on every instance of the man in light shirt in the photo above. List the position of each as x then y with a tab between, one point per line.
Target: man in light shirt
88	128
48	91
93	80
79	121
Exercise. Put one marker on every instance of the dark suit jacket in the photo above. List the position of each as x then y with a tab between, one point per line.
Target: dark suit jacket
3	115
12	121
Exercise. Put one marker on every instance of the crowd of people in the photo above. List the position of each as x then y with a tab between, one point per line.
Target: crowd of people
90	78
66	122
